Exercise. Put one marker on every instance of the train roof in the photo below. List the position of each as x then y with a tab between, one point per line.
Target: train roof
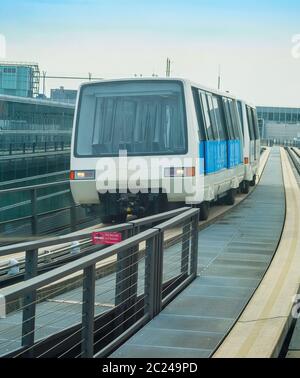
183	80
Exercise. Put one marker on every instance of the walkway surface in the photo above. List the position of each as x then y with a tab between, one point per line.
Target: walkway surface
234	254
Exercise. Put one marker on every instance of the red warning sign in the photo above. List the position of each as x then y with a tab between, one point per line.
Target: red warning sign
106	237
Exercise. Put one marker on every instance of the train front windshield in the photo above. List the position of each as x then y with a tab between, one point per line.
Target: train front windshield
142	117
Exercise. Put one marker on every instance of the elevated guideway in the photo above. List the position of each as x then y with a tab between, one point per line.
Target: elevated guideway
169	291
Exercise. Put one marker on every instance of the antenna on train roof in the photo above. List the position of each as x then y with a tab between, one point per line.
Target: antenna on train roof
168	68
219	77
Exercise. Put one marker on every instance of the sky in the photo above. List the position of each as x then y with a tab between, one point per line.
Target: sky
256	44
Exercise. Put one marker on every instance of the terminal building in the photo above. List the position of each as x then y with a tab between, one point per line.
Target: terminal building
28	120
279	124
63	95
19	79
35	136
34	149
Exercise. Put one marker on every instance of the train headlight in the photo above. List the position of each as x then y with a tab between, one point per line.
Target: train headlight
82	175
179	172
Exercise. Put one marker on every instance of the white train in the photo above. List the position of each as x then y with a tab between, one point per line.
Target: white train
148	145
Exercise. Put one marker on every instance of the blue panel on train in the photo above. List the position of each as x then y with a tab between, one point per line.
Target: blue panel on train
238	158
209	156
214	154
201	156
234	153
230	153
223	154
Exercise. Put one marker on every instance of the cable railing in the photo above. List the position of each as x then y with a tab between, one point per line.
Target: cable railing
65	250
75	311
33	201
280	142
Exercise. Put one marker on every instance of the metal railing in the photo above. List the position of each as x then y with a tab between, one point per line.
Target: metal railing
38	221
33	147
280	142
106	309
295	158
63	246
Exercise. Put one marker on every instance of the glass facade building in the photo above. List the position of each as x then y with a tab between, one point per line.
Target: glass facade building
24	120
279	115
279	123
34	140
63	95
19	79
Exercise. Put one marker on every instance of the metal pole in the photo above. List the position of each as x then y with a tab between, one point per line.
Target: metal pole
219	77
73	217
126	274
29	306
150	281
88	312
159	272
123	276
194	245
34	216
44	82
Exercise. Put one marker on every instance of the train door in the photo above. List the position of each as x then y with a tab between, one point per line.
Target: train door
233	127
252	154
257	134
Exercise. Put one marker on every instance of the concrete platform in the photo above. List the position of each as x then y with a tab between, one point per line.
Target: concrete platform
263	326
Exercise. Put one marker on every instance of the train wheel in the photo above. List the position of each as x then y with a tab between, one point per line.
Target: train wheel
120	218
204	211
252	182
245	187
229	198
107	219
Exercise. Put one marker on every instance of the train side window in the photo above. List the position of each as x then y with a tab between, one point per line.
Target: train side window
255	123
235	119
228	119
250	124
213	116
200	114
240	113
210	134
220	117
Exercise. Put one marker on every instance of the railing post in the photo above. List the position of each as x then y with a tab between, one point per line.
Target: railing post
126	281
34	216
185	247
73	217
10	148
159	272
29	306
88	312
150	277
123	273
194	245
24	148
